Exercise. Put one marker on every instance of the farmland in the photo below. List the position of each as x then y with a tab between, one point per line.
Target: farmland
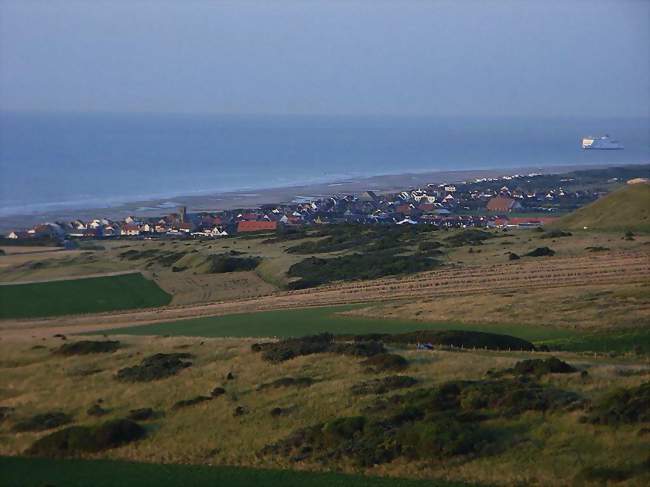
87	295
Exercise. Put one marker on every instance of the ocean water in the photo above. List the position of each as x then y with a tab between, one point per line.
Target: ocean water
53	161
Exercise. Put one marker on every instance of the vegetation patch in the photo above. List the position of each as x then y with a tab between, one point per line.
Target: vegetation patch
287	382
452	338
383	385
74	440
86	347
155	367
540	367
87	295
315	271
470	236
541	252
625	406
42	422
555	234
97	410
427	424
191	402
322	343
141	414
384	362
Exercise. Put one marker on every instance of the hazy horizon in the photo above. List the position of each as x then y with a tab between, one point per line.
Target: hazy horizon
356	58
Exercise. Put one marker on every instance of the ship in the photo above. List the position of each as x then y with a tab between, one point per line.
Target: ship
603	142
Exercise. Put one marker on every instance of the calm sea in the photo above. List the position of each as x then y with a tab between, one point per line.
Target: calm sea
50	161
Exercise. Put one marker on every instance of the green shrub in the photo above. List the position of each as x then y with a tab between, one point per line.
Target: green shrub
470	236
85	347
541	252
384	362
42	422
539	367
191	402
625	406
383	385
155	367
74	440
287	382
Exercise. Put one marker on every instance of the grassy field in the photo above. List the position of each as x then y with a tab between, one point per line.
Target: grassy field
89	295
310	321
536	448
30	472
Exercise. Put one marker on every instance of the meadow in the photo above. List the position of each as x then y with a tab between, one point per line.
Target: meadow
87	295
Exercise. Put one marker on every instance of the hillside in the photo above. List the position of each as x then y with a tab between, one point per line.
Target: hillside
625	209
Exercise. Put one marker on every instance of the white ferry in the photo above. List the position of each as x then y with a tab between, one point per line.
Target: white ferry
604	142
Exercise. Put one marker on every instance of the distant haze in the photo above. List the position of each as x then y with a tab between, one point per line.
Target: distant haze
442	58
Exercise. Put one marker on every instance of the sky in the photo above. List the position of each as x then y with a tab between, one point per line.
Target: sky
544	58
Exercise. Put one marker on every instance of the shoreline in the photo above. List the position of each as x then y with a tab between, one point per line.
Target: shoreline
255	197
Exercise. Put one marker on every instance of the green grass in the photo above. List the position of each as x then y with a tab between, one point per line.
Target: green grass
28	472
309	321
90	295
620	341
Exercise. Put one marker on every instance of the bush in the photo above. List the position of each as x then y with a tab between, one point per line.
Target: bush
97	410
539	367
85	347
74	440
555	234
287	382
155	367
383	385
42	422
625	406
225	263
142	414
323	343
513	256
541	252
191	402
384	362
470	236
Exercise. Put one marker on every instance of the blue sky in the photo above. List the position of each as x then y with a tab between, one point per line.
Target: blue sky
449	58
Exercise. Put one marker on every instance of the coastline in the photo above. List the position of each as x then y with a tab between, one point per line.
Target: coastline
252	198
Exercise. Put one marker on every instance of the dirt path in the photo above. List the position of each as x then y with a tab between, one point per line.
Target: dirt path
610	268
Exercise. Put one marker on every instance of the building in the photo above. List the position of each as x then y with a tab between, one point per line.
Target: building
256	226
501	204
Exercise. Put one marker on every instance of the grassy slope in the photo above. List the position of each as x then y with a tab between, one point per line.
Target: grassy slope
80	296
300	322
622	210
26	472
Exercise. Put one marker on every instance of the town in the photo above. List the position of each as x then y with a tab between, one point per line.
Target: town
518	200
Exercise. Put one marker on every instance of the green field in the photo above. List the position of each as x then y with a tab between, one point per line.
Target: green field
89	295
28	472
309	321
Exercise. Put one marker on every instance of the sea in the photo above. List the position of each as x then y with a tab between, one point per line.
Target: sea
50	161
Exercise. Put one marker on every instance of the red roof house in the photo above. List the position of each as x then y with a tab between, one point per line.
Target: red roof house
256	226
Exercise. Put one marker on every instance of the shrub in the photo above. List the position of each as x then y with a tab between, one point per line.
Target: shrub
513	256
226	263
541	252
470	236
85	347
155	367
539	367
287	382
555	234
218	391
385	362
42	422
97	410
74	440
142	414
191	402
323	343
625	406
383	385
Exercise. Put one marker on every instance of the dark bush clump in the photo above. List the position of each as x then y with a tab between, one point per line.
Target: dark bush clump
513	256
385	362
85	347
42	422
383	385
539	367
471	236
74	440
323	343
5	412
218	391
141	414
287	382
626	406
277	412
597	248
541	252
454	338
191	402
158	366
227	263
97	410
555	234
